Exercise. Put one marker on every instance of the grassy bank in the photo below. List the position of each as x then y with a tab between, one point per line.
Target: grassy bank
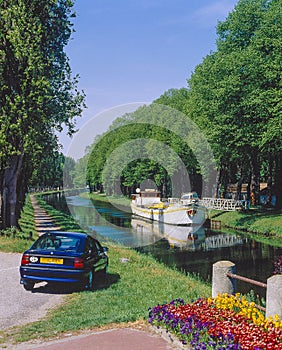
263	225
17	240
121	201
134	283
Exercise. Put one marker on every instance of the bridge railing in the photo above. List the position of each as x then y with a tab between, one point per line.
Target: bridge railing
224	204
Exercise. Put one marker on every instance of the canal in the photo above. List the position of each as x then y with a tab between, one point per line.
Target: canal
192	250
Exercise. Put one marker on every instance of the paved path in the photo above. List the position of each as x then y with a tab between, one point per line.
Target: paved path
113	339
17	306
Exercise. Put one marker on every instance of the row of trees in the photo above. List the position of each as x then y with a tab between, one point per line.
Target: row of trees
38	94
234	96
155	142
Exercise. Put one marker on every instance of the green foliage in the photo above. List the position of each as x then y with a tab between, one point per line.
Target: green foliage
69	172
155	142
38	93
253	298
49	172
26	221
235	93
19	239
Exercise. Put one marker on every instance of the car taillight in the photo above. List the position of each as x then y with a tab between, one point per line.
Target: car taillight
78	263
25	259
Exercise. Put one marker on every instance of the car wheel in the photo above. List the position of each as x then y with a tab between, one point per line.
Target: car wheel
28	285
90	280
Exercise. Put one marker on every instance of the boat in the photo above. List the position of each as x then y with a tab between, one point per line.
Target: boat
185	210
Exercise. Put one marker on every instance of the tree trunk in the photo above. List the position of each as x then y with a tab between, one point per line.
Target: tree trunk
249	187
278	181
239	183
269	184
10	208
255	184
217	192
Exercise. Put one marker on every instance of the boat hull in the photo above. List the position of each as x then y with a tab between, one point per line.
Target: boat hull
192	215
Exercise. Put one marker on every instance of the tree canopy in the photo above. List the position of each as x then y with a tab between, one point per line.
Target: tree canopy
37	90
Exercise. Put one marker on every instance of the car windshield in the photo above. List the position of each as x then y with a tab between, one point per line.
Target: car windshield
58	242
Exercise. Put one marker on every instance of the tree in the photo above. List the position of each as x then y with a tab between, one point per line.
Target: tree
69	172
235	93
52	172
37	92
155	137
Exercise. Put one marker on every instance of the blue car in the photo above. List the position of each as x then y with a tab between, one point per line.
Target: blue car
64	257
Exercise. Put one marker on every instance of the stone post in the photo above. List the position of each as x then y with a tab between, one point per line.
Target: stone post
274	296
221	283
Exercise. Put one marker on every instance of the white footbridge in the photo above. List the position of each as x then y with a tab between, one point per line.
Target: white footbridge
224	204
222	241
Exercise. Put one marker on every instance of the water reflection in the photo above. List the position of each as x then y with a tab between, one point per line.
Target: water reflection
108	222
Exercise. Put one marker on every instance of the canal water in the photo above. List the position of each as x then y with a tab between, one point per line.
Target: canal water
192	250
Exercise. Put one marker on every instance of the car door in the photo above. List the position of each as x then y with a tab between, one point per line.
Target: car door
102	260
90	254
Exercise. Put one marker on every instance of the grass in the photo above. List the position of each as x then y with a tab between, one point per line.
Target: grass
18	240
265	226
66	222
119	200
132	286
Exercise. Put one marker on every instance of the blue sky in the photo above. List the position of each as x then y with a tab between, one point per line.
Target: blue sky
130	51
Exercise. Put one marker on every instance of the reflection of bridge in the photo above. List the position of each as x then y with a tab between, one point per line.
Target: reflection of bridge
221	241
224	204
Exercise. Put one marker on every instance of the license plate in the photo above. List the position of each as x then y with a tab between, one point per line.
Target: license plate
51	261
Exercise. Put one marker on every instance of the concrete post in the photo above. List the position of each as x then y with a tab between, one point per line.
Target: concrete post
274	296
220	282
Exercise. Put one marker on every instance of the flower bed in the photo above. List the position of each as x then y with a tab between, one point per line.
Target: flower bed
224	322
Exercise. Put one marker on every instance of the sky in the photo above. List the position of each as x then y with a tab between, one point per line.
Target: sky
129	52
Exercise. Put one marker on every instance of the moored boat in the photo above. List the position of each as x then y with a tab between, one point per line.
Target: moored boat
185	210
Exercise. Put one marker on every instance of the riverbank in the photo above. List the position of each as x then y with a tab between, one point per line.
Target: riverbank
122	202
267	224
263	225
134	283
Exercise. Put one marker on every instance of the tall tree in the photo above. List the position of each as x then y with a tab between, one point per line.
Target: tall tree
38	94
235	92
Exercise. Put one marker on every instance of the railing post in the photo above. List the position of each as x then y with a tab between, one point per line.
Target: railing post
274	296
221	283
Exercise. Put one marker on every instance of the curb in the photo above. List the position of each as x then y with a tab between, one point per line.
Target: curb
170	338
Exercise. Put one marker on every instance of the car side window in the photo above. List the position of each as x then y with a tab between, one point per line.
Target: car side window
99	247
90	246
87	246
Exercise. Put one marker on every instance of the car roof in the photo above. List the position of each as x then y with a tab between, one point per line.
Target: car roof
63	233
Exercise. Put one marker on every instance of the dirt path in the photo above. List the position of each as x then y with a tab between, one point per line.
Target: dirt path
43	221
